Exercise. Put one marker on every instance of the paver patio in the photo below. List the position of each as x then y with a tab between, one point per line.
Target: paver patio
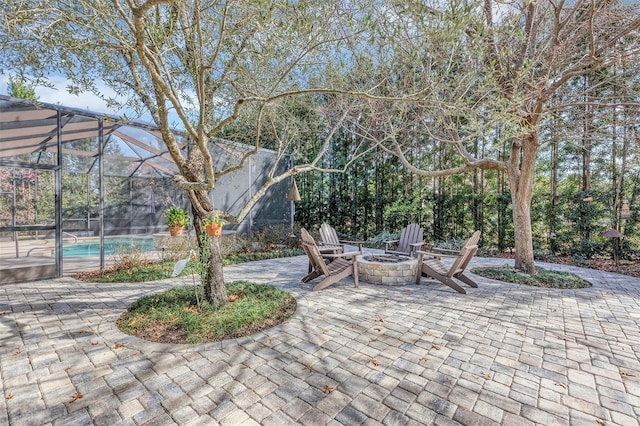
414	354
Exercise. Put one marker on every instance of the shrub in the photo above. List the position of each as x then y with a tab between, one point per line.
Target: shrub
378	240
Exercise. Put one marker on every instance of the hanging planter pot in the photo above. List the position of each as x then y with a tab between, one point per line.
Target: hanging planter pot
176	231
214	229
213	226
177	218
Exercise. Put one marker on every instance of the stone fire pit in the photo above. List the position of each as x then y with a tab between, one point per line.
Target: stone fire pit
387	269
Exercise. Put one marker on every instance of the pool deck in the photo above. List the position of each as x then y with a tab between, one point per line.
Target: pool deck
35	260
395	355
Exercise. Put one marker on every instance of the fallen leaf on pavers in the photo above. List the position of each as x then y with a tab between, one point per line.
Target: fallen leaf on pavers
379	318
373	339
310	368
374	362
270	341
487	376
449	381
328	389
66	370
428	333
17	352
119	345
600	422
353	326
434	346
378	329
10	396
424	358
561	384
520	333
96	343
325	330
77	396
625	374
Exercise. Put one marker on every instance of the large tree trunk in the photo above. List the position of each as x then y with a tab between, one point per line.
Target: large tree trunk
211	253
213	278
521	173
214	287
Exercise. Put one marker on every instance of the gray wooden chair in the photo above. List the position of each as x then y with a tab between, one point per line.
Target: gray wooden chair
341	266
329	239
410	241
430	264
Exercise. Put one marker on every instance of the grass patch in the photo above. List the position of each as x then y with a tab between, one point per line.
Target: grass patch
180	315
543	277
146	271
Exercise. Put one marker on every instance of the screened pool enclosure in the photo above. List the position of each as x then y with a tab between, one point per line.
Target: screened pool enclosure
70	177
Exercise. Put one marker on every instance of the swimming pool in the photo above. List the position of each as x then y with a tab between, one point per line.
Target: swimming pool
111	246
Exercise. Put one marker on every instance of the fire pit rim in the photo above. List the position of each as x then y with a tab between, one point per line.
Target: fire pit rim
386	258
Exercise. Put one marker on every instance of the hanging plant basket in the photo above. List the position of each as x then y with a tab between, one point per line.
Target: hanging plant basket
176	231
214	229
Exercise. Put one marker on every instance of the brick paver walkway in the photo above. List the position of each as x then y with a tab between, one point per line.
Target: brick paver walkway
415	354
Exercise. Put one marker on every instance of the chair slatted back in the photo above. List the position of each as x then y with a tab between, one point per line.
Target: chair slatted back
312	251
463	259
328	235
473	241
412	234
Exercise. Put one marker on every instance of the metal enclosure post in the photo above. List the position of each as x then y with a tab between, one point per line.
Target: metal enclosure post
58	197
291	203
101	189
14	209
250	233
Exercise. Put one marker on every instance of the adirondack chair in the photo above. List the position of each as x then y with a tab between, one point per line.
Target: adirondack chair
410	240
431	265
341	266
329	239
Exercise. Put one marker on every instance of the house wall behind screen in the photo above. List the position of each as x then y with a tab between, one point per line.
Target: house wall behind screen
233	191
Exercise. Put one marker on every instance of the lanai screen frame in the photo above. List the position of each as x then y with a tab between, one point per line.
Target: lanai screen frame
36	128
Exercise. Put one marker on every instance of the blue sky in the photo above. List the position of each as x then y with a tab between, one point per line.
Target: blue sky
60	96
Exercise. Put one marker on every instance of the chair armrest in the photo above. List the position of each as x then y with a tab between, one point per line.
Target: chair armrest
323	244
413	247
345	254
437	254
443	251
353	243
330	248
388	243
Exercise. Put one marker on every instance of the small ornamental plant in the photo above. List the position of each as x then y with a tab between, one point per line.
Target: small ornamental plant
176	216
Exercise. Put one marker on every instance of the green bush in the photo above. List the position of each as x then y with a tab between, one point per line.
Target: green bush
378	240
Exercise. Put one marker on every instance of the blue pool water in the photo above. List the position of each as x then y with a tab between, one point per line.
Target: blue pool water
111	246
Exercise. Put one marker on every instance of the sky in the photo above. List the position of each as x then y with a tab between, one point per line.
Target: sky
60	96
87	101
